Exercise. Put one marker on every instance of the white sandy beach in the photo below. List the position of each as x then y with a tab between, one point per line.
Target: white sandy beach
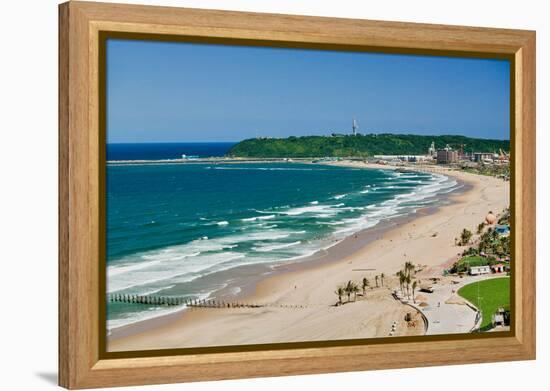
426	238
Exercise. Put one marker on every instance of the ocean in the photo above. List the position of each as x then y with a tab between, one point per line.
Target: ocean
165	151
184	229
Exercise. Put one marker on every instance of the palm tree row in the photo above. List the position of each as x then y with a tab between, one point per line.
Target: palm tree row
379	278
352	288
406	277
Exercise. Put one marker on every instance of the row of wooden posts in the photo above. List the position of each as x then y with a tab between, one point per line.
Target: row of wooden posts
175	301
155	300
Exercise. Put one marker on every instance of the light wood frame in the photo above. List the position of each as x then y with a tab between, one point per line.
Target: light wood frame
80	24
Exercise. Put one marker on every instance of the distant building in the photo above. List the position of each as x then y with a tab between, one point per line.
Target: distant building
354	127
503	230
401	158
498	268
432	151
501	317
482	156
479	270
447	156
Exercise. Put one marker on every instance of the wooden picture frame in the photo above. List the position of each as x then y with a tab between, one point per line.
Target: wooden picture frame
82	363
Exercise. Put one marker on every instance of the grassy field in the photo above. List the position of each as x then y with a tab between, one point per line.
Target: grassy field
492	293
472	260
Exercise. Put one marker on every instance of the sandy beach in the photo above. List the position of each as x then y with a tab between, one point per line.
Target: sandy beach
299	301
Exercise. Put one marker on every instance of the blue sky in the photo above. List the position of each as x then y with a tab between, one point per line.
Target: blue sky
181	92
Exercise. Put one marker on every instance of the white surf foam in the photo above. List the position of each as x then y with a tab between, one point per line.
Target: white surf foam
165	271
277	246
420	196
257	218
314	210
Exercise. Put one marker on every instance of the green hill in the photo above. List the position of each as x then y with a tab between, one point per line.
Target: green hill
359	146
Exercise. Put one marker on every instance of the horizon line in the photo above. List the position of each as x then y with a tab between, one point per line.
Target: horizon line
312	135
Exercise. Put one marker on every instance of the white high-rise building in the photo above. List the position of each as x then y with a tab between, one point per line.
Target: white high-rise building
431	150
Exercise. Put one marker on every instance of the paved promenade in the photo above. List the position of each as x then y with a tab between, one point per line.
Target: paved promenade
448	313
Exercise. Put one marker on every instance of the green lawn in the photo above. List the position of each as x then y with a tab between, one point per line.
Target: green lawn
492	293
472	260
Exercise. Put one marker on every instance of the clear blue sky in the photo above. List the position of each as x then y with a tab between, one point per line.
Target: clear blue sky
181	92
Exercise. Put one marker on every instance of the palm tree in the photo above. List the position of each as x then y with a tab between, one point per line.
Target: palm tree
414	285
354	289
349	289
382	278
408	283
402	278
365	285
480	227
376	279
465	237
340	291
409	267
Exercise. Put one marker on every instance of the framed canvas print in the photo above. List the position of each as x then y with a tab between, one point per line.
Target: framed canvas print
251	195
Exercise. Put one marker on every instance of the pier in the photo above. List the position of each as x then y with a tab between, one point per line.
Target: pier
192	303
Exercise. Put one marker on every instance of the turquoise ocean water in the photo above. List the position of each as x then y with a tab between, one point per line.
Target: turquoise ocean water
180	229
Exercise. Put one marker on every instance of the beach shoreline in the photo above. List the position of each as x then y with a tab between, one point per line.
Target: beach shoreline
311	282
247	287
249	276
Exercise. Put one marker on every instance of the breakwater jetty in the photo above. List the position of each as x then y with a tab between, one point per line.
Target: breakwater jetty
193	303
